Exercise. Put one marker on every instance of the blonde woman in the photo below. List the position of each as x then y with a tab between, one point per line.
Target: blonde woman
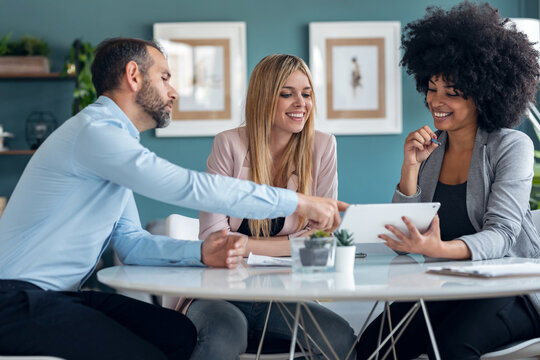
279	147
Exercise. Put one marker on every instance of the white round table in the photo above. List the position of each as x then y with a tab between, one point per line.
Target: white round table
387	278
377	277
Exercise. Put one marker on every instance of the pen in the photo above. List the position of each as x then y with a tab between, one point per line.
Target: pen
435	141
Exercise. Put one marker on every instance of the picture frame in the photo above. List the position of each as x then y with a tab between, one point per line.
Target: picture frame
356	76
207	61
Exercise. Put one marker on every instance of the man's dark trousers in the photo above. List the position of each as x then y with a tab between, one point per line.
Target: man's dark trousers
89	325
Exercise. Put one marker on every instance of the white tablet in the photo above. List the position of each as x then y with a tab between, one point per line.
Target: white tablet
367	221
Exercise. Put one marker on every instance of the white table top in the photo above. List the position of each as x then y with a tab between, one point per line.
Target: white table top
377	277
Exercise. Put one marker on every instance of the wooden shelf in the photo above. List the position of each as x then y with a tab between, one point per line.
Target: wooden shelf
35	76
17	152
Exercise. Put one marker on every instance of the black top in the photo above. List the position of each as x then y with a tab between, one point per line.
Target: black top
275	227
453	211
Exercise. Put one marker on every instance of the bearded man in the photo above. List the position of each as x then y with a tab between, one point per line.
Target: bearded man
75	198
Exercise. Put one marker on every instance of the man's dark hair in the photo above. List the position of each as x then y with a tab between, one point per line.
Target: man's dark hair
112	56
482	54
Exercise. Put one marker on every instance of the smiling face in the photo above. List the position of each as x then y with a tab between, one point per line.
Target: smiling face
450	110
293	106
157	94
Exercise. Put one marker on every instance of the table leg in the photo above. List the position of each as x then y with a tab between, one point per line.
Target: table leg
383	319
364	325
282	309
322	334
430	330
409	319
387	307
401	327
403	322
309	339
295	332
259	350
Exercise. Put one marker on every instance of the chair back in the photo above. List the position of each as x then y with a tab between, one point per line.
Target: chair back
182	227
179	227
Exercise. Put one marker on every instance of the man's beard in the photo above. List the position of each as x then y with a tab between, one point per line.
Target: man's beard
149	99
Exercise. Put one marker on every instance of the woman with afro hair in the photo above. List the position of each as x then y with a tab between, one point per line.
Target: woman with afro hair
478	75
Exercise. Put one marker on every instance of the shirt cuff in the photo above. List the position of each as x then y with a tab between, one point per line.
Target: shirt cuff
418	192
192	251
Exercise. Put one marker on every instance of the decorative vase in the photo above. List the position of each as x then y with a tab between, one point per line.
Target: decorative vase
39	125
345	256
312	255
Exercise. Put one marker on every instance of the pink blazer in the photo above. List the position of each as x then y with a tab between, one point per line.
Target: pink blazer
229	157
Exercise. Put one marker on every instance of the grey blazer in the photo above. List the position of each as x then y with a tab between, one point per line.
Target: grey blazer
498	190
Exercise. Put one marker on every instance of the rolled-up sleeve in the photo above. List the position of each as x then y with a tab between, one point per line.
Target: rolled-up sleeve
400	197
134	245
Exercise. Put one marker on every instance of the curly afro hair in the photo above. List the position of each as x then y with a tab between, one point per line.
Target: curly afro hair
482	54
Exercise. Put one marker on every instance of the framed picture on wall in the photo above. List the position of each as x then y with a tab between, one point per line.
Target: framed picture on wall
356	75
208	68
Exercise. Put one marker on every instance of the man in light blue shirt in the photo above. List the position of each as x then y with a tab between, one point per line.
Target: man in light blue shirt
76	196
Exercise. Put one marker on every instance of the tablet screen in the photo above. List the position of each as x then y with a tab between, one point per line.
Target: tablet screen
367	221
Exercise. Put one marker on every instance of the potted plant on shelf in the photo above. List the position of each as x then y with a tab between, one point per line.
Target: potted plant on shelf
316	249
28	55
78	63
345	251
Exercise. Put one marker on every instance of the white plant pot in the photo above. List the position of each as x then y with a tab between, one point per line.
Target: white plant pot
345	256
345	280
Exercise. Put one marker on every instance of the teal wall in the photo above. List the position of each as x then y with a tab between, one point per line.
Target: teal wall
369	166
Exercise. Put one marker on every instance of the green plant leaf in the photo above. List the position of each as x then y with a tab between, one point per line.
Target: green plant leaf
4	41
85	93
320	234
344	238
26	46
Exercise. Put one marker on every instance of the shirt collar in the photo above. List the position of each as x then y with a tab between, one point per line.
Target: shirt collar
119	114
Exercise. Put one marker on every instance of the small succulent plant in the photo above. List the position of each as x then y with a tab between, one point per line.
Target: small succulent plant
316	250
317	239
344	237
320	234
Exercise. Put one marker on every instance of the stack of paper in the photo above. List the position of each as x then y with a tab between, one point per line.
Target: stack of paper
261	260
489	270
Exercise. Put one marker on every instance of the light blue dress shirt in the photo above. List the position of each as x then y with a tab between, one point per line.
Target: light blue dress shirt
76	196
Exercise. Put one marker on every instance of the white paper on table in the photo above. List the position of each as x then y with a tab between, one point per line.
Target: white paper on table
489	270
261	260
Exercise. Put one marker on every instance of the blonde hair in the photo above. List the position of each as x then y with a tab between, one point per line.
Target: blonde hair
265	85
